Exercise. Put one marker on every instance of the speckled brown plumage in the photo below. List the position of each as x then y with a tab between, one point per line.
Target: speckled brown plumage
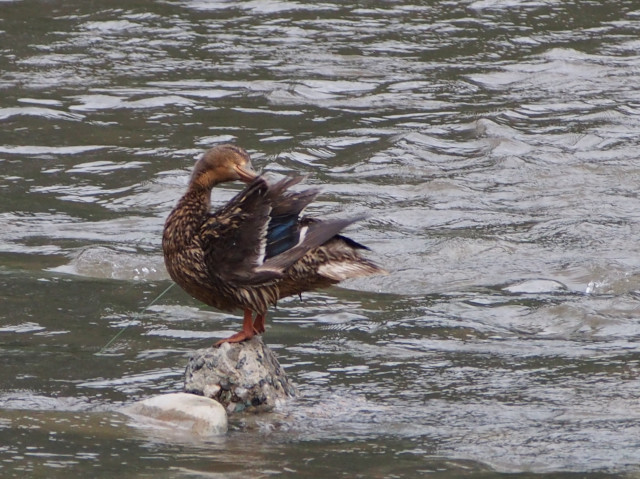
256	248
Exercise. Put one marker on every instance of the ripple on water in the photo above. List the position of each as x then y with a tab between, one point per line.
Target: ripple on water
46	113
104	166
31	401
25	327
50	150
135	383
108	102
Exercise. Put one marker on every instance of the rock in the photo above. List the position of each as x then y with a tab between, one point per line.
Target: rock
536	286
200	415
240	376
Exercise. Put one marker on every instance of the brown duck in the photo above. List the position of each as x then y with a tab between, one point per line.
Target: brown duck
256	248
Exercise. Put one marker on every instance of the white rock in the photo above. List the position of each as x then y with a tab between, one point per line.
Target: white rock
536	286
200	415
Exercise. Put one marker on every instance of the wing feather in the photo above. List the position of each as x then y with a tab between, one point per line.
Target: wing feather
234	237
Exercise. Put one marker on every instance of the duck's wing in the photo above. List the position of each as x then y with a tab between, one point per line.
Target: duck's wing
233	237
285	231
255	237
290	237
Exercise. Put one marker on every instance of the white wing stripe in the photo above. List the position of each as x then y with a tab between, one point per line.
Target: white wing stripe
262	235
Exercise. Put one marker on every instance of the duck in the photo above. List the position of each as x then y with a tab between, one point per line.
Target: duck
256	248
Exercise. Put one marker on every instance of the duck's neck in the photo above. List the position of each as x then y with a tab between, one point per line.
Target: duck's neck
188	215
197	198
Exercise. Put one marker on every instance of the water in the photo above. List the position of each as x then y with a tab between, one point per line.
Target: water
494	146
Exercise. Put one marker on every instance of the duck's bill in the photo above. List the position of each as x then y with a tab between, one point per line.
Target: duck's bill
246	173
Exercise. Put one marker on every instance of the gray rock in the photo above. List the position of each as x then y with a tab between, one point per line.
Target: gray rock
240	376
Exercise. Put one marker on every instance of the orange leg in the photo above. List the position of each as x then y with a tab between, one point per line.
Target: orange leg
258	324
247	332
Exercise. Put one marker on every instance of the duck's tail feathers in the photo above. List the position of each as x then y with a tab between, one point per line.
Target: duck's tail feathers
341	270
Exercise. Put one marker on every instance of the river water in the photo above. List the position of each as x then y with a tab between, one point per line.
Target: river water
494	146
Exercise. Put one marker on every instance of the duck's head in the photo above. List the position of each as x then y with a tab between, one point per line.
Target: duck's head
222	163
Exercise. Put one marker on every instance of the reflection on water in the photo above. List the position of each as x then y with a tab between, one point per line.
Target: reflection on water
493	146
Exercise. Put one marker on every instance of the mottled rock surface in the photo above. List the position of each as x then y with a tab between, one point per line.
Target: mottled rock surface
199	415
240	376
